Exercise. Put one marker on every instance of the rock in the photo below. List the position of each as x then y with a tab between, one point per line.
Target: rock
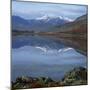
76	77
47	80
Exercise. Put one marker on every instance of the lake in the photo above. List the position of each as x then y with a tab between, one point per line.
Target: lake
43	56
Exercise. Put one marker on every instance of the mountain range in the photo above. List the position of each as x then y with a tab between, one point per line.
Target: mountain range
44	23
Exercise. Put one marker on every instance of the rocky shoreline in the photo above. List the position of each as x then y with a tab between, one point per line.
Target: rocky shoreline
77	76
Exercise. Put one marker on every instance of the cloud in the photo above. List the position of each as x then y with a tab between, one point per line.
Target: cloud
32	10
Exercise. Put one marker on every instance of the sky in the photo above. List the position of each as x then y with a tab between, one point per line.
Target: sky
32	10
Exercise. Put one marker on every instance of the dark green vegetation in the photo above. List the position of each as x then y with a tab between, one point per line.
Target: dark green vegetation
77	76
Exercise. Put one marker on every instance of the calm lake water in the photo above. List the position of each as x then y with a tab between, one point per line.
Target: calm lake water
43	56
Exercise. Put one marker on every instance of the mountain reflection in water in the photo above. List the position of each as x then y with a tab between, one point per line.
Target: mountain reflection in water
43	56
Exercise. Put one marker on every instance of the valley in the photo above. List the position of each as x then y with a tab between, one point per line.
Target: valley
73	33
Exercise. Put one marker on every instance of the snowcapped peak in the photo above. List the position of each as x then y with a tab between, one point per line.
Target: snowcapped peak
65	18
61	17
68	19
43	17
49	17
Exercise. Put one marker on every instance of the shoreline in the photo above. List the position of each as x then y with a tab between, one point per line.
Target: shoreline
77	76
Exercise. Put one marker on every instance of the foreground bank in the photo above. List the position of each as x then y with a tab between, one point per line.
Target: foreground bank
77	76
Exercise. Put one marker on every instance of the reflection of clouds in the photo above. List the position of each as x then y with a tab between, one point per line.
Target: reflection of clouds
32	10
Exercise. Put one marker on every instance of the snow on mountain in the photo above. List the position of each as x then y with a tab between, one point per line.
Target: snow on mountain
68	19
40	23
47	18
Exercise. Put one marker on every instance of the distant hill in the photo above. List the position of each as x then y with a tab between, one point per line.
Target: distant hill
19	23
78	26
82	17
